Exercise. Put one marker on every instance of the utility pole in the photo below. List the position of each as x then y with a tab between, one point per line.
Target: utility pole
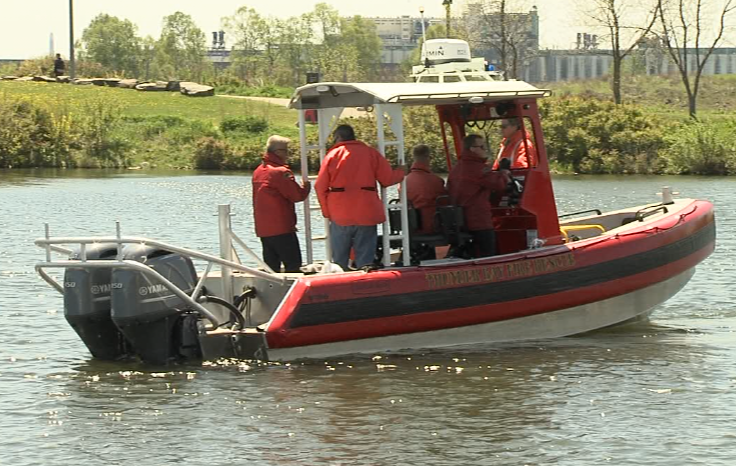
447	4
72	62
424	34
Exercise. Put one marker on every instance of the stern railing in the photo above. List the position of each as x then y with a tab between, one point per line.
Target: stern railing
227	263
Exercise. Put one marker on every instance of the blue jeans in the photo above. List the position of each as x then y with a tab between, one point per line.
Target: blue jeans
361	238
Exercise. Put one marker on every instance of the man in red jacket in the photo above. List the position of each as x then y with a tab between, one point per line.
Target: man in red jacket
423	188
275	191
470	185
516	145
346	188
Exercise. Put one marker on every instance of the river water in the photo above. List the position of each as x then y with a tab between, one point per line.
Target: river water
657	393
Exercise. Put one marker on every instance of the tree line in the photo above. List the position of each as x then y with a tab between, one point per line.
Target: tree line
686	32
264	50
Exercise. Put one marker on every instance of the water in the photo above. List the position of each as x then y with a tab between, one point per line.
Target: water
657	393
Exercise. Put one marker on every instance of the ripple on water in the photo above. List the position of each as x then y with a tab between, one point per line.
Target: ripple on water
657	393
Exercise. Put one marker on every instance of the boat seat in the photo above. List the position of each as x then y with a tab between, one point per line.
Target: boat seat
452	224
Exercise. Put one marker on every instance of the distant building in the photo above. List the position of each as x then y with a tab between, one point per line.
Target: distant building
400	36
576	64
521	29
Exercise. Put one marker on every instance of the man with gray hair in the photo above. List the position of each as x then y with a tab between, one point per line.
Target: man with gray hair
275	191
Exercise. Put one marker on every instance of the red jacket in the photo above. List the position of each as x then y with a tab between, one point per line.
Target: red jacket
470	185
346	185
516	151
422	189
274	193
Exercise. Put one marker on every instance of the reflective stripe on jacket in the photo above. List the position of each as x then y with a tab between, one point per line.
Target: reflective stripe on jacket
346	185
274	193
470	185
517	151
422	189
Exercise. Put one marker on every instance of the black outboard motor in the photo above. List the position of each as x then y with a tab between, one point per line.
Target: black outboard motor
87	304
155	321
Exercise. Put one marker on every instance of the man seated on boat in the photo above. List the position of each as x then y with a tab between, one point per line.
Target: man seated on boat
423	188
516	145
275	191
346	188
471	183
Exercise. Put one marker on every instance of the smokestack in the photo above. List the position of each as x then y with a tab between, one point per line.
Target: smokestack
214	39
51	44
222	39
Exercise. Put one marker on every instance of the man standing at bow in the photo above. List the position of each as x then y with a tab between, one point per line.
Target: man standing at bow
275	191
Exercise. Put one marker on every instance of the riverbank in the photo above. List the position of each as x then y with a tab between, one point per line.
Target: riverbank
43	125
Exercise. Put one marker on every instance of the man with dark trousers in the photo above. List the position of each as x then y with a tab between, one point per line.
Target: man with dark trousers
59	66
470	185
275	191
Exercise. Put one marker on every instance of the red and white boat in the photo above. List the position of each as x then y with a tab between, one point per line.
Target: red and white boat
554	276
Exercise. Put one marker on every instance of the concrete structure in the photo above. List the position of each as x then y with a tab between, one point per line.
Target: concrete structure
400	36
522	29
567	65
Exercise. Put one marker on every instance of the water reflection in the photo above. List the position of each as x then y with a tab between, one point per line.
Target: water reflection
653	393
491	400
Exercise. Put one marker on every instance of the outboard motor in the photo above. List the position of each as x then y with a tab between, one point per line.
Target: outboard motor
87	304
154	320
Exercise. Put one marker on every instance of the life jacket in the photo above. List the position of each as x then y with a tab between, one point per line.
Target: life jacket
519	150
470	184
275	191
422	189
346	184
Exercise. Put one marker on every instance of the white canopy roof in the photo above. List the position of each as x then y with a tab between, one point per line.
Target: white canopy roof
328	95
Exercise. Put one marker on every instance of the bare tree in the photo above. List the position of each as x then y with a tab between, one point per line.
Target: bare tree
500	25
612	15
683	25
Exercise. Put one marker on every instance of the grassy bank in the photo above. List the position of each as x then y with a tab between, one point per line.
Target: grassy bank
89	126
51	125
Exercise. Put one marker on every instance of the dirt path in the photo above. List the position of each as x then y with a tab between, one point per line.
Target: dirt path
348	112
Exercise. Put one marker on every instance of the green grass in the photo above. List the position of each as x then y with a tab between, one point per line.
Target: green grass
662	95
137	103
163	129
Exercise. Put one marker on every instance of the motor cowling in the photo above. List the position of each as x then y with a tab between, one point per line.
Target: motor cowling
87	306
157	323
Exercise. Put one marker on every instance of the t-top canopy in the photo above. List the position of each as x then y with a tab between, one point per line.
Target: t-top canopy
328	95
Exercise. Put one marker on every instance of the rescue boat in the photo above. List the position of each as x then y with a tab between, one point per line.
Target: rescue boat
554	275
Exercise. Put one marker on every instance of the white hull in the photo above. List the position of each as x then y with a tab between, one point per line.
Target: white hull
565	322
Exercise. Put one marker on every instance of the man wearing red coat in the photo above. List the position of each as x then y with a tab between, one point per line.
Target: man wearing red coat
275	191
347	192
516	145
423	188
470	185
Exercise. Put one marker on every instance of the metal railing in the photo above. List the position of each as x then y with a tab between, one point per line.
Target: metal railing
56	244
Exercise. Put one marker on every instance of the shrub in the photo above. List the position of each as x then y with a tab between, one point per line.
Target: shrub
31	135
210	153
700	148
247	124
596	136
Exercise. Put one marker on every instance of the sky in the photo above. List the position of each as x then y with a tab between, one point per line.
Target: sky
26	25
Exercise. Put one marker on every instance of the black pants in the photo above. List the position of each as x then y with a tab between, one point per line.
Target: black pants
484	243
282	249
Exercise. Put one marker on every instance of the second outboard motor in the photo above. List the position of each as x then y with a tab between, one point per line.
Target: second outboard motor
151	317
87	303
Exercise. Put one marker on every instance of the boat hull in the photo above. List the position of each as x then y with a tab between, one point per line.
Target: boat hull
550	292
578	319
